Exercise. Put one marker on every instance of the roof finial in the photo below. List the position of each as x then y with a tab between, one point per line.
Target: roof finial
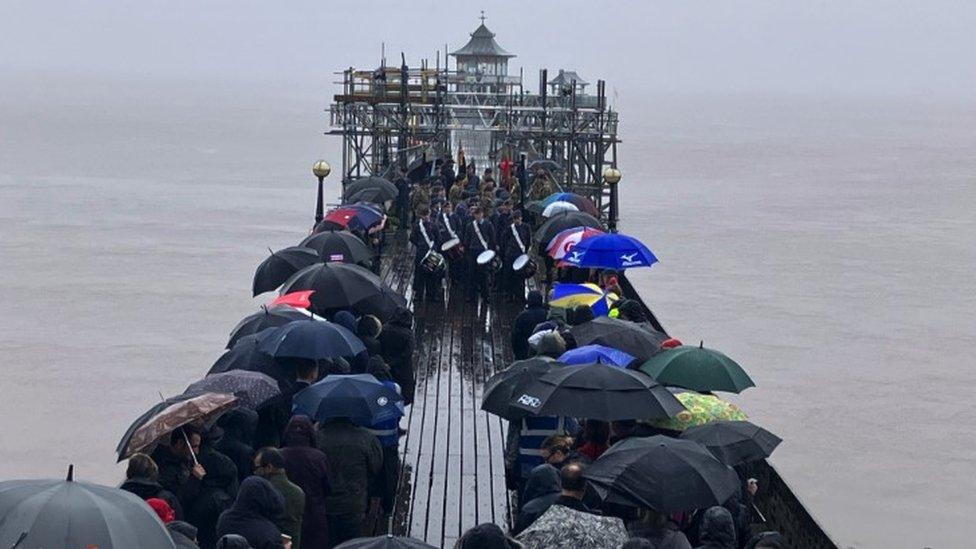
482	17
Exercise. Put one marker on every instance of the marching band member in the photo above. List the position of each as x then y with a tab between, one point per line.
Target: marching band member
479	237
515	240
426	284
450	227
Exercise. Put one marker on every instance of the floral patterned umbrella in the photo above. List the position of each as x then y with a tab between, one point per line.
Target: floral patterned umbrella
701	409
168	416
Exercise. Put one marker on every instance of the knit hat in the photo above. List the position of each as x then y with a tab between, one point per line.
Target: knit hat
163	510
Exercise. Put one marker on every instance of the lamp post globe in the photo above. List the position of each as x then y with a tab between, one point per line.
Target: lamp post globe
612	177
321	169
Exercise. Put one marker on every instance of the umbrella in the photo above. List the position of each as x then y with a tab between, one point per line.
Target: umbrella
699	410
697	368
567	296
597	353
66	513
375	195
246	355
610	251
339	246
267	317
557	207
562	221
296	300
563	242
311	340
168	416
345	286
545	164
663	473
568	528
503	387
276	269
734	442
597	391
359	397
535	206
252	389
388	541
581	202
353	217
638	340
371	182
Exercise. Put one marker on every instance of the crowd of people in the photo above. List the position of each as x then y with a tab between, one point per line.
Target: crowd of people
274	479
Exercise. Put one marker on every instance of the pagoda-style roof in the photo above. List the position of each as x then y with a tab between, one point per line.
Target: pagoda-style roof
566	77
482	44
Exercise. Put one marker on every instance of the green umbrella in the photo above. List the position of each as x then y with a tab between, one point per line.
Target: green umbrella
697	368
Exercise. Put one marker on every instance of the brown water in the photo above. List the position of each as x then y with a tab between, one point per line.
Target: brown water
826	244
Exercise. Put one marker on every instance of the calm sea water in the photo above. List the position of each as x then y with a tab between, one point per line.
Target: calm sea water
826	244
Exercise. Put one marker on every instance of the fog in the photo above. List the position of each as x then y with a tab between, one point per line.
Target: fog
838	47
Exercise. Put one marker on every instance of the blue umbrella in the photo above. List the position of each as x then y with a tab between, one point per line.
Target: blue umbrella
360	397
311	340
596	353
610	251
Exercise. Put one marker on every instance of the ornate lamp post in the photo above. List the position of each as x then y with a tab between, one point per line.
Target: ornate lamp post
321	169
612	177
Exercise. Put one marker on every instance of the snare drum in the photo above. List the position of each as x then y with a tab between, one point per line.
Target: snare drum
489	259
453	249
433	262
524	265
485	257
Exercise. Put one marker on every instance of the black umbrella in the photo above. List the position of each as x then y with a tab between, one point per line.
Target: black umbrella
65	513
267	317
545	164
734	442
371	182
598	391
373	195
662	473
252	389
275	270
346	286
562	221
384	542
246	355
505	386
311	340
341	246
637	340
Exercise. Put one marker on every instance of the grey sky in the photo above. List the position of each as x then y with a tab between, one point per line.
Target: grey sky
849	46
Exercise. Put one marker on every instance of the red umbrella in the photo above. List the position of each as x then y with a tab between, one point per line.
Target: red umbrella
300	300
563	242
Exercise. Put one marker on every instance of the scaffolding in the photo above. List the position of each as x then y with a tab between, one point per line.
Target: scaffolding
396	117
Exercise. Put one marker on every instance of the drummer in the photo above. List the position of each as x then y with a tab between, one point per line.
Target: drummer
478	237
450	225
424	237
514	241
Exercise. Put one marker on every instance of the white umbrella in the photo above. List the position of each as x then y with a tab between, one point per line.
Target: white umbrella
559	206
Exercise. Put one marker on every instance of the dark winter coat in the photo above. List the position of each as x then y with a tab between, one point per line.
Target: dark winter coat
355	457
257	504
508	243
523	326
396	342
667	537
238	425
472	244
290	521
308	467
217	492
182	534
147	488
175	475
717	529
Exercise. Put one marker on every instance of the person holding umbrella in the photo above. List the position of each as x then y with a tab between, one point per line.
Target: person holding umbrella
179	471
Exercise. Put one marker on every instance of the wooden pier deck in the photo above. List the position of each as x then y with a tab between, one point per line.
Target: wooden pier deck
453	474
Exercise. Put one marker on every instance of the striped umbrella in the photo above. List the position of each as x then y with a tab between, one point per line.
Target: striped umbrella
563	242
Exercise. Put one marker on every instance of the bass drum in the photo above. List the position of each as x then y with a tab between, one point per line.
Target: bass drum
489	259
452	249
524	266
433	263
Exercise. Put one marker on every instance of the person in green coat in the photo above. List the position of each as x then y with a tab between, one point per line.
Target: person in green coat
270	464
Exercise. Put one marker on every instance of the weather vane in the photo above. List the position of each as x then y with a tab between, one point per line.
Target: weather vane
482	17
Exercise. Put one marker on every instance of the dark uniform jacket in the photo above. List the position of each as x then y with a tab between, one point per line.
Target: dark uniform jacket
510	246
444	221
471	241
355	457
418	240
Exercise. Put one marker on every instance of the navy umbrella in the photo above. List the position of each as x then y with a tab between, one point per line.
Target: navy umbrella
359	397
267	317
275	270
734	442
341	246
252	389
598	391
311	340
662	473
66	513
246	355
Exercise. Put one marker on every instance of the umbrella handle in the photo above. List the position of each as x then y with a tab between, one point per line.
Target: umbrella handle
187	440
